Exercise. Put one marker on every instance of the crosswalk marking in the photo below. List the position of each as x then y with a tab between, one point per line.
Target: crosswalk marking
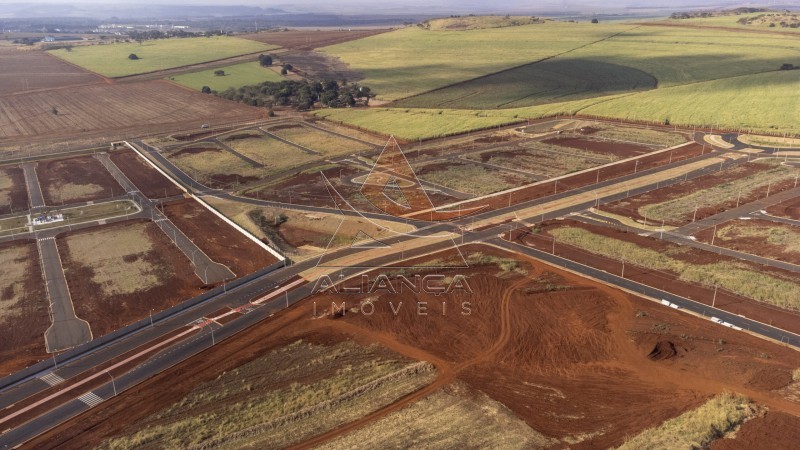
91	399
47	239
52	379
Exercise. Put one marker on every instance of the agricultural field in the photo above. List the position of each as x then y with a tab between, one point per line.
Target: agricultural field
23	307
236	76
107	110
13	192
755	22
74	180
31	70
758	237
309	39
709	194
220	241
473	22
111	60
326	144
412	60
117	274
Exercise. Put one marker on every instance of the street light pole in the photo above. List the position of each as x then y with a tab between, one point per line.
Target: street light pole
113	383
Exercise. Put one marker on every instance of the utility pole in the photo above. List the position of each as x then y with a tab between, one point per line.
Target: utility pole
714	299
113	383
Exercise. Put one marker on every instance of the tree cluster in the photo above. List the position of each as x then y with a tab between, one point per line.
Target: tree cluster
149	35
300	94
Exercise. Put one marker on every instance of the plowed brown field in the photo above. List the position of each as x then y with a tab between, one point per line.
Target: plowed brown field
25	70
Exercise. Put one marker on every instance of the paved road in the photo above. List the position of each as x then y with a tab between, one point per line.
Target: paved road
735	213
204	267
66	330
35	196
776	219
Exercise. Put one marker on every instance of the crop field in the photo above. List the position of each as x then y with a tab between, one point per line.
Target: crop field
13	192
759	237
118	273
554	80
221	242
698	72
318	141
113	109
30	70
262	403
111	59
236	76
74	180
411	60
309	39
23	306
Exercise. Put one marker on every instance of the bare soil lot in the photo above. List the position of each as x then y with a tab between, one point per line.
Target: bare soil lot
26	70
552	348
642	272
620	149
211	165
110	110
466	177
711	193
117	274
758	237
74	180
309	39
23	307
149	181
13	191
220	241
789	208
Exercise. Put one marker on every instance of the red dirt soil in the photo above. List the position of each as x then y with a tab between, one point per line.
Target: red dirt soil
547	188
25	70
53	174
788	208
18	193
149	181
220	241
554	357
178	282
761	312
114	110
620	149
774	430
307	40
22	331
750	244
630	206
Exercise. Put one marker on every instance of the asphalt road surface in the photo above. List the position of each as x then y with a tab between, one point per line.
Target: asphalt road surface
34	188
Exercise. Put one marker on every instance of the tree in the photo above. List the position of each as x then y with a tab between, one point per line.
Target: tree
265	60
219	73
205	90
288	67
133	57
595	21
54	110
284	71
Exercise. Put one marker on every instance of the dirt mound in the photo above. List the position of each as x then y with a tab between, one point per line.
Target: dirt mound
774	430
620	149
492	139
285	127
588	130
770	378
663	350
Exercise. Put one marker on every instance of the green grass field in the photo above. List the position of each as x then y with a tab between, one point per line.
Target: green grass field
705	77
112	60
413	60
236	76
731	21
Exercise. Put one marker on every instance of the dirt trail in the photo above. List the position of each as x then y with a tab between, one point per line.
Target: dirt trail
446	372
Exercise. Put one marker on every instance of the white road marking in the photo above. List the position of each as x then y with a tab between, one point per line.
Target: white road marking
91	399
52	379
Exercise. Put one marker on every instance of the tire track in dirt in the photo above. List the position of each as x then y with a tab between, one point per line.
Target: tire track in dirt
446	372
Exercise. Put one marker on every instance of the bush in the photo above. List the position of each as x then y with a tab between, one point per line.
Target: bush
595	21
205	90
219	73
284	71
265	60
133	57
